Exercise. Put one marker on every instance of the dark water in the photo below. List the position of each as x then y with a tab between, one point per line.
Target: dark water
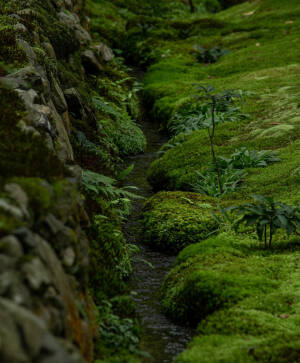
163	339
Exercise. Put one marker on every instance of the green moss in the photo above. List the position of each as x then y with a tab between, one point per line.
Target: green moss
218	276
209	282
224	242
219	348
38	191
8	223
173	220
10	50
109	259
263	61
22	154
260	328
107	22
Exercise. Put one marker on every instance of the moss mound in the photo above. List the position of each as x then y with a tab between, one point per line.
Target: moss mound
212	275
173	220
260	328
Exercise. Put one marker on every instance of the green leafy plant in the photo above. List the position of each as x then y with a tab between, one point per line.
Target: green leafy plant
120	129
119	197
211	55
209	183
216	102
224	218
269	216
117	334
87	145
200	117
243	158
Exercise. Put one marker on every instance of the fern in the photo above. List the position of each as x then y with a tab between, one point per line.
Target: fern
120	198
87	145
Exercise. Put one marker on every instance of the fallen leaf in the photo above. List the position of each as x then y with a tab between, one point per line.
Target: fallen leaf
284	316
249	13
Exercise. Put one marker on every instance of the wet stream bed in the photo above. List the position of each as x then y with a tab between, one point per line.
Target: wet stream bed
160	337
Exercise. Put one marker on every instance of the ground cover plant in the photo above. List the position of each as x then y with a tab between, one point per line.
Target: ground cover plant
269	216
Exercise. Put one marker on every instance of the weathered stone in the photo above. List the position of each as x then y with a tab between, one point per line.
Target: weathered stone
66	120
69	257
17	194
27	78
26	237
72	320
103	51
78	68
49	49
69	4
28	51
28	11
75	102
7	279
72	21
53	224
11	246
25	338
27	129
19	294
12	349
6	262
35	274
19	27
29	97
58	97
90	62
64	150
15	16
11	209
52	317
76	172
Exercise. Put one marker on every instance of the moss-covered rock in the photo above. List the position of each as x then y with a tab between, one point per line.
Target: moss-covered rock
23	154
173	220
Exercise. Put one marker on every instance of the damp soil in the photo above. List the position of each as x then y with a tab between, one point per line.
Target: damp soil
160	337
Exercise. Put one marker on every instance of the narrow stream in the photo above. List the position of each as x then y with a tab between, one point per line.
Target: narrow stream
160	337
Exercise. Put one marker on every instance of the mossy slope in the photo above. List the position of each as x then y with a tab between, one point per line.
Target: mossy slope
262	38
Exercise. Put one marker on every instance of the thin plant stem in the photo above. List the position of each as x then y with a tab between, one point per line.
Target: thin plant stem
211	140
265	236
271	235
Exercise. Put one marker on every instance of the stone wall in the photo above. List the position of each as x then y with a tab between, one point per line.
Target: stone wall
46	312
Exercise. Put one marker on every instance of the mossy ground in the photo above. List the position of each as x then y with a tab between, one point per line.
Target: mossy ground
263	62
243	297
